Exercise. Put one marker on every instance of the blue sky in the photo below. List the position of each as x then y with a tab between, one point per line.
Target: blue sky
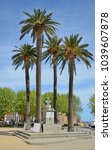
74	17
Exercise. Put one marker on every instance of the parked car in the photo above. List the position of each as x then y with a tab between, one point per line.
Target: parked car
20	123
2	124
9	123
92	124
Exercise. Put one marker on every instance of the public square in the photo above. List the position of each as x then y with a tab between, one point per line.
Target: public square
9	142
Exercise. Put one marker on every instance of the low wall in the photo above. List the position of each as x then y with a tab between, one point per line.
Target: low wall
63	119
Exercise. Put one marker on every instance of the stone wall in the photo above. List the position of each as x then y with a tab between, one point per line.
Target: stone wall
62	118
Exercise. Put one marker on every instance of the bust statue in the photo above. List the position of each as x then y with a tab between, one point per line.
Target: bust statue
47	104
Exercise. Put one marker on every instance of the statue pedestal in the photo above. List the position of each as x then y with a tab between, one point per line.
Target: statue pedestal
50	117
49	126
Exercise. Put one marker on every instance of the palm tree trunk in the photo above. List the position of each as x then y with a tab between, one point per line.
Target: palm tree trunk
55	92
27	78
38	78
70	101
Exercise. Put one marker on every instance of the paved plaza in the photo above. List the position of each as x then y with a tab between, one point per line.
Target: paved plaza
9	142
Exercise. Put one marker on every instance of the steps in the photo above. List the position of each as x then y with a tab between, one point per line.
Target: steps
31	135
8	133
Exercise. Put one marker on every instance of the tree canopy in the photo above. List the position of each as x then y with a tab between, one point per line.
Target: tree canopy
11	102
7	101
92	104
62	102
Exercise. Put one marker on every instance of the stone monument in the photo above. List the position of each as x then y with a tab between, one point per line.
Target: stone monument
49	112
49	125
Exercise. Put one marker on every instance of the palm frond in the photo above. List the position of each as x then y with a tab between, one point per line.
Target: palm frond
53	46
63	65
21	52
41	18
73	50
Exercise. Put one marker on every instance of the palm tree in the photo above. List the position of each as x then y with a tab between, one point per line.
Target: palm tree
25	55
53	45
72	51
38	23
